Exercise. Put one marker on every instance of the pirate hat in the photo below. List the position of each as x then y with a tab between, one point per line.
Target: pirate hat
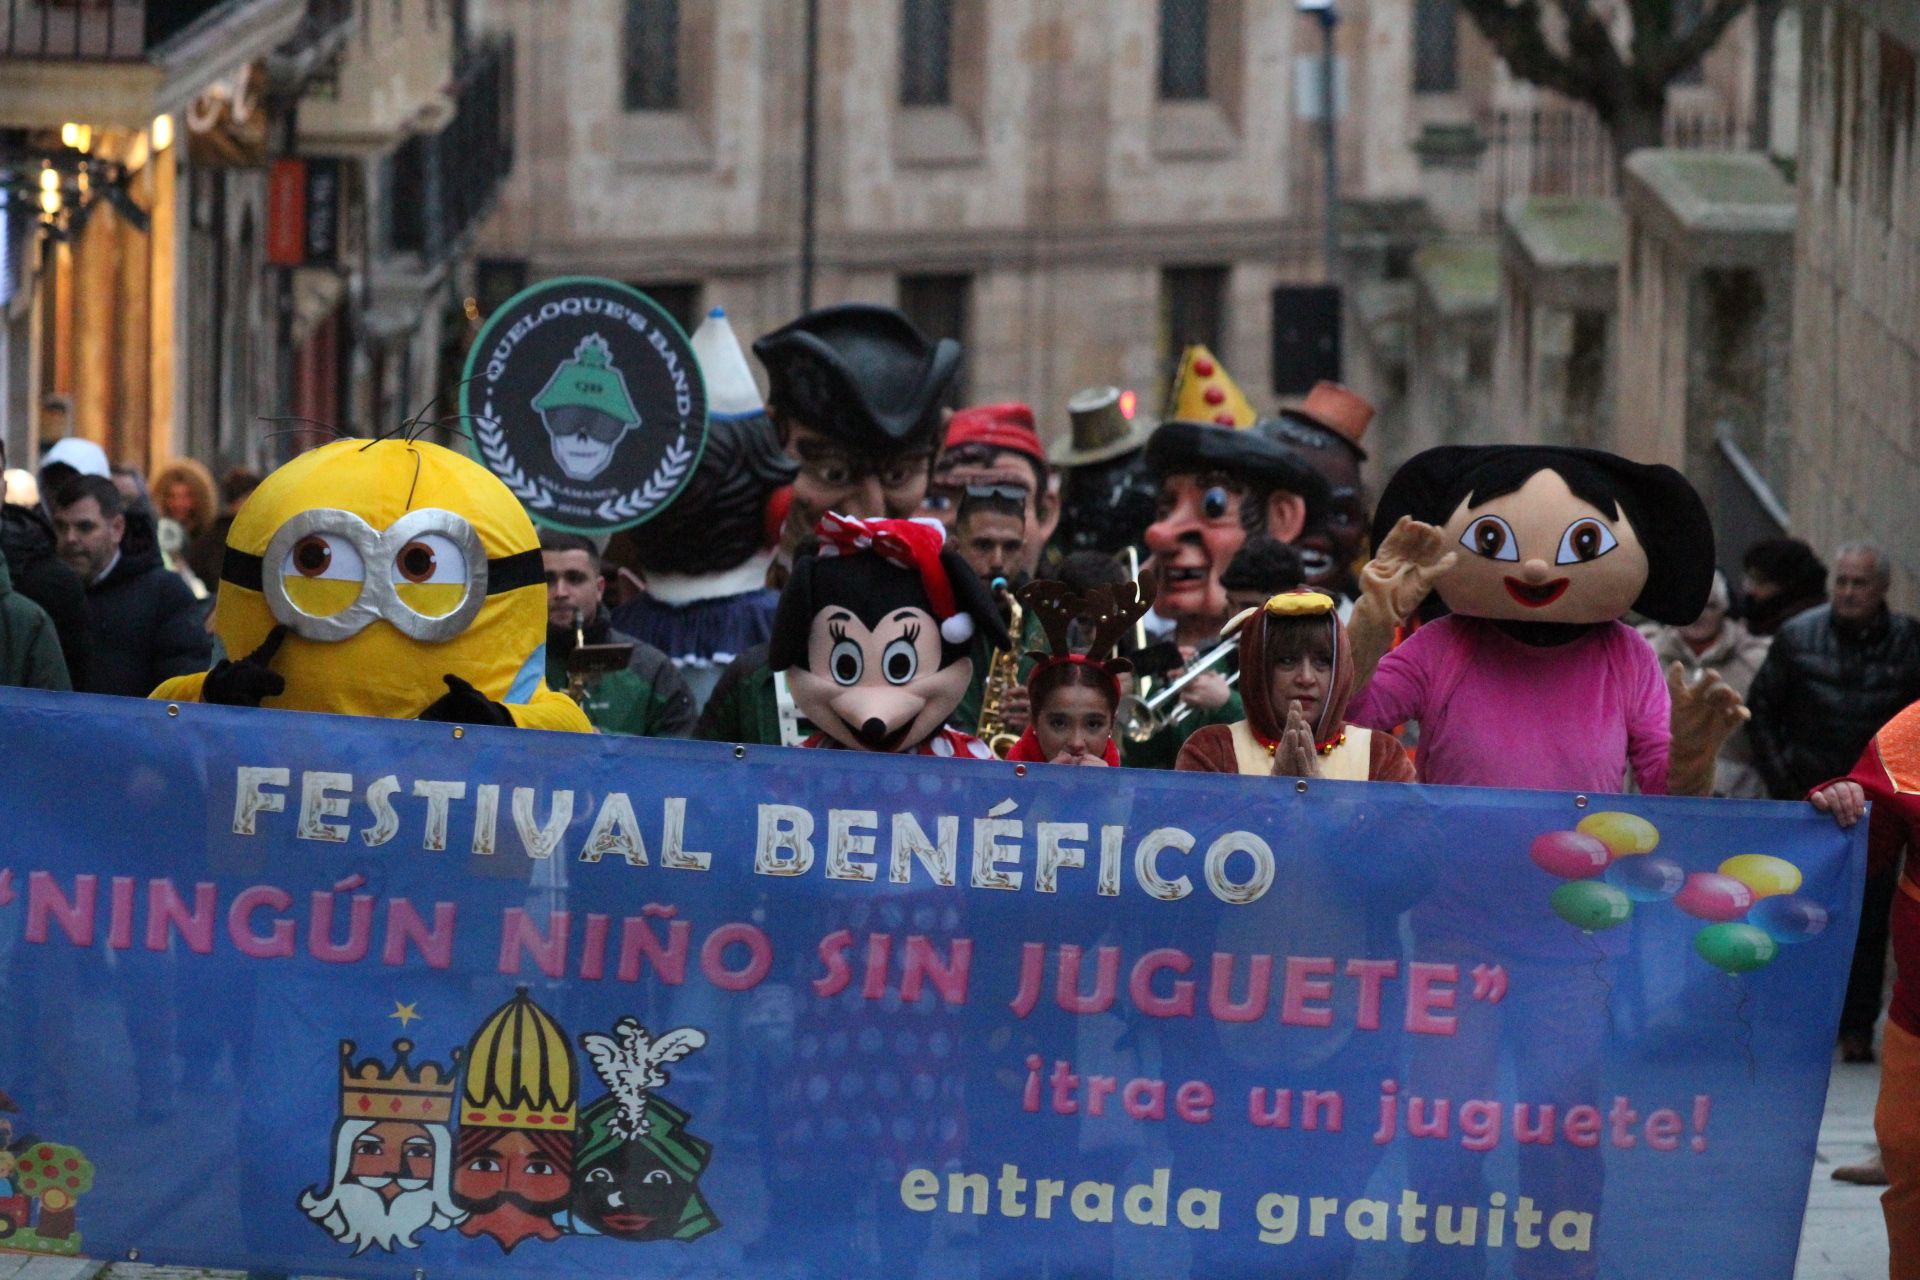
1101	429
860	373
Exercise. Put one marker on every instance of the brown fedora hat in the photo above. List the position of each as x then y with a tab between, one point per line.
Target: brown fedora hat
1345	413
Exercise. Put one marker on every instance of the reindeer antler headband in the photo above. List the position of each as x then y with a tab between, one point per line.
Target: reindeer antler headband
1111	611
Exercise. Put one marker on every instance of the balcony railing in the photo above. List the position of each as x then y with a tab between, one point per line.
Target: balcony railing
440	184
95	30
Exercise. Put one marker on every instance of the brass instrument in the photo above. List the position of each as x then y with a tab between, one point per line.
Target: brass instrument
1003	674
588	662
1142	685
1141	718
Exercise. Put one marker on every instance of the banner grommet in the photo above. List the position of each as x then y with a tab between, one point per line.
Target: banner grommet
173	709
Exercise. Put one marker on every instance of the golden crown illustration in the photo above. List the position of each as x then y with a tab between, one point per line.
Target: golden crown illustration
368	1091
520	1072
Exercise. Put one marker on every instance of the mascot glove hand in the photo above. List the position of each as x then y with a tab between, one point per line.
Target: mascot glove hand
464	704
246	682
1705	714
1409	560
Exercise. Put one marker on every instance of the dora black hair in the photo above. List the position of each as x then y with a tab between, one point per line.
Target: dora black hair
1664	509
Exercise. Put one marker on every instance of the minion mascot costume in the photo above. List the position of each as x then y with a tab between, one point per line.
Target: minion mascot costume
387	578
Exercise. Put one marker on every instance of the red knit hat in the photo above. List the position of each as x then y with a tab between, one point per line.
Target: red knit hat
1003	426
911	544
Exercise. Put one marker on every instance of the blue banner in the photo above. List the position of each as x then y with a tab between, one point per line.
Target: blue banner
348	997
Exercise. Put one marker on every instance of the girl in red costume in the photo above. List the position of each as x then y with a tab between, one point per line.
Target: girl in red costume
1074	695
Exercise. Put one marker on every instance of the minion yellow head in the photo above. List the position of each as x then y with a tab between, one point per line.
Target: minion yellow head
392	564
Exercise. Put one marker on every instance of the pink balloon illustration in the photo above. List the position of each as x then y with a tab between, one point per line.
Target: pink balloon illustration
1709	895
1571	855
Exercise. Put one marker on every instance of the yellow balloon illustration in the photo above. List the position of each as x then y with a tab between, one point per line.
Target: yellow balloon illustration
1624	833
1763	873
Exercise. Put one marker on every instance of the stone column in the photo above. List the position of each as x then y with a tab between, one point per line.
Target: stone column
1559	287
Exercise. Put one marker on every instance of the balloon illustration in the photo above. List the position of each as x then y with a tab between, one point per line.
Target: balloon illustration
1712	896
1788	917
1647	879
1734	948
1626	834
1570	855
1590	905
1762	873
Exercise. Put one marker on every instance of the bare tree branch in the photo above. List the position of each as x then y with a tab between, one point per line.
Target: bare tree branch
1517	32
1677	54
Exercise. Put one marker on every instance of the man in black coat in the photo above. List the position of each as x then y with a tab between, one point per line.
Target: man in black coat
145	624
27	545
1835	674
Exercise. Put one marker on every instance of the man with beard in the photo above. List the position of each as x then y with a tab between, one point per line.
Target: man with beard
1326	432
391	1178
647	698
518	1108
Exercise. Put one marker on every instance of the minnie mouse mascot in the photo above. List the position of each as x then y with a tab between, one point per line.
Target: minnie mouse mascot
874	631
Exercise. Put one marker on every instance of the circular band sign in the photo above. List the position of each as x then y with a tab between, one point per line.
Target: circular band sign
585	398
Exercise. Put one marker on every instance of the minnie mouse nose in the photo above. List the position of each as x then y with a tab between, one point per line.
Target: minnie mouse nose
874	730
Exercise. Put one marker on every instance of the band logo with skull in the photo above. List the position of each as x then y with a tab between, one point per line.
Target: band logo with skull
585	398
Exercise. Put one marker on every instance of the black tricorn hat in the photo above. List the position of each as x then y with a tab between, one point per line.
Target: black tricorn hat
860	373
1178	446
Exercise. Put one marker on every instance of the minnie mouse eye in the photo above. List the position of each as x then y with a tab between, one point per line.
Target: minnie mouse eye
846	662
1492	537
901	662
1585	540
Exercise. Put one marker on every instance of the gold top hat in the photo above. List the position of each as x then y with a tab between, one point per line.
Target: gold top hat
370	1092
520	1071
1203	392
1102	428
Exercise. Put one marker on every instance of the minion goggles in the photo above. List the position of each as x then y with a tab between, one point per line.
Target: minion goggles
327	574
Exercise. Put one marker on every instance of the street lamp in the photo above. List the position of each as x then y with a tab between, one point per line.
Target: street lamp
1324	11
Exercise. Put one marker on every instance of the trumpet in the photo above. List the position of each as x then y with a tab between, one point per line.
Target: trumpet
1141	718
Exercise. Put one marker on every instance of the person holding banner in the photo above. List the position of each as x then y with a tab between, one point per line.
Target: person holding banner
874	633
1074	695
1296	677
385	577
1888	774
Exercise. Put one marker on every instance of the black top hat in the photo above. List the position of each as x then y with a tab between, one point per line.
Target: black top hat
860	373
1177	447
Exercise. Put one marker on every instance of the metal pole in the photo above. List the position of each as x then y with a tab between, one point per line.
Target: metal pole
1331	143
809	153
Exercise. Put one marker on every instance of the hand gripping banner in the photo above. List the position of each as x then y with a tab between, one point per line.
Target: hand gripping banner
363	998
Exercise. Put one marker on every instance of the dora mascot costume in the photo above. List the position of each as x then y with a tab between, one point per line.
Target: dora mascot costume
389	578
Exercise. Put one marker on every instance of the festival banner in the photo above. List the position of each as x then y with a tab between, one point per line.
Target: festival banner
351	997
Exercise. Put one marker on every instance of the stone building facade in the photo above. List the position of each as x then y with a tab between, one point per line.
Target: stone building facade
1856	319
1074	189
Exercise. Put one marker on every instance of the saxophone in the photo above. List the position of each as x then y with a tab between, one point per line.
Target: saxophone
1003	673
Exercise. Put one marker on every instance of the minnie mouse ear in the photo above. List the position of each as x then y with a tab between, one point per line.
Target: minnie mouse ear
958	629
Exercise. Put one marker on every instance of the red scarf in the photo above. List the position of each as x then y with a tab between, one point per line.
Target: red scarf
1027	750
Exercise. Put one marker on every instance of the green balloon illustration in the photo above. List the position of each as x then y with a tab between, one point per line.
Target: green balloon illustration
1735	947
1591	904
